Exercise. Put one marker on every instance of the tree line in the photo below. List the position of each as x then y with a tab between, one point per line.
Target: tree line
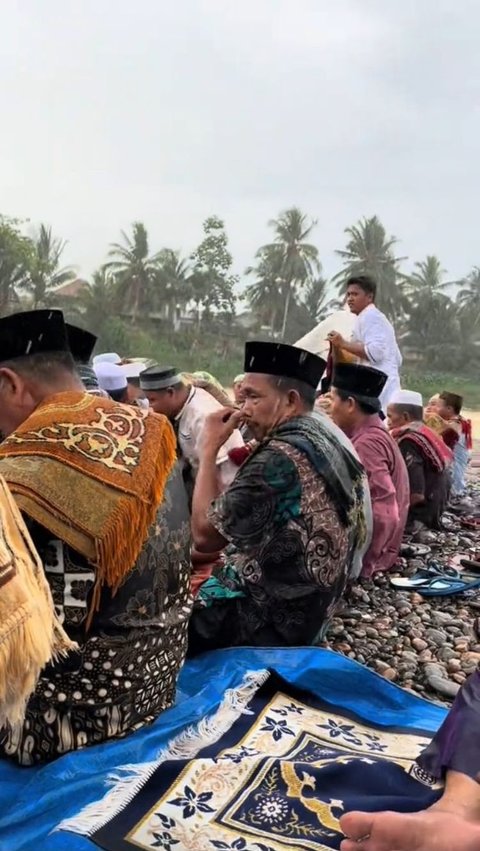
284	293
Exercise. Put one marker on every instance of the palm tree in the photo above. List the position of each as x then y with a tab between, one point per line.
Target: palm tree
370	252
175	280
45	275
427	278
313	297
265	295
15	262
135	271
433	329
468	297
99	300
292	229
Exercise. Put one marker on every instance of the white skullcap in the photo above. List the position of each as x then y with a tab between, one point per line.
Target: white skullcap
110	376
107	357
132	370
407	397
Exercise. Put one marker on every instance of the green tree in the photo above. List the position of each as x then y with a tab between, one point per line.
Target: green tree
15	261
468	297
313	299
212	280
45	272
433	323
175	280
264	296
370	252
99	301
135	270
433	330
427	278
292	230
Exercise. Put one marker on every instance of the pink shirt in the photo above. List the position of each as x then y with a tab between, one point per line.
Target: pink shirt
389	491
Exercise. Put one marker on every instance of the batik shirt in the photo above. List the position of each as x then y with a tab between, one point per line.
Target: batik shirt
126	669
287	562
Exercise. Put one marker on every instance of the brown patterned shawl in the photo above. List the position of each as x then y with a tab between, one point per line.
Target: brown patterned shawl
93	473
30	634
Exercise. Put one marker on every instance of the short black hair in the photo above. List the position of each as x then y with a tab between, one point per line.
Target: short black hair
365	282
452	400
415	412
364	407
42	366
306	392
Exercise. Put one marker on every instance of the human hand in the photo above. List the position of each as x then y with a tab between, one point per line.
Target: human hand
336	339
218	427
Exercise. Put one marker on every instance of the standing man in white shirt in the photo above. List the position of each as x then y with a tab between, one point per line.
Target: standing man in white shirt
373	339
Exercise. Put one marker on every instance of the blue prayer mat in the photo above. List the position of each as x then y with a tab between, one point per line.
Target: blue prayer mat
279	778
35	800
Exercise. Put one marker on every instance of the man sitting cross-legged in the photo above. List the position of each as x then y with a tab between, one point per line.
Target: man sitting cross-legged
291	520
427	457
106	507
356	394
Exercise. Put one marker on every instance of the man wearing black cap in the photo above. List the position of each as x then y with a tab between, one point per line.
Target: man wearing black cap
106	507
290	522
81	344
356	392
187	407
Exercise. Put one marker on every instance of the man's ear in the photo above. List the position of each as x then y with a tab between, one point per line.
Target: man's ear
9	380
294	399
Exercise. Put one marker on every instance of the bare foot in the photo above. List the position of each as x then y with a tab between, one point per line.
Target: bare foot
425	831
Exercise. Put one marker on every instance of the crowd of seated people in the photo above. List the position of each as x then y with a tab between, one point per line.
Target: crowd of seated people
162	478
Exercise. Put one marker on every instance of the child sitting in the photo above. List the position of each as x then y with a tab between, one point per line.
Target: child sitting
449	406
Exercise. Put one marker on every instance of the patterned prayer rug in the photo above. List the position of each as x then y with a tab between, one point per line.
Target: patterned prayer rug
279	778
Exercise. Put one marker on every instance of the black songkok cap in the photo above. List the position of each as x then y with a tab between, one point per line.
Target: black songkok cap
362	383
31	333
81	343
285	361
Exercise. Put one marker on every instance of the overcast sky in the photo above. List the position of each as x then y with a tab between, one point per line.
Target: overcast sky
166	112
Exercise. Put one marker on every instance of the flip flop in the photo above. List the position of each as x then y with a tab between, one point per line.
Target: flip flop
444	588
427	574
436	586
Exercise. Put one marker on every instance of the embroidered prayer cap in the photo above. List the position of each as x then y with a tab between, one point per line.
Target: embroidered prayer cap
160	377
363	383
284	361
110	376
407	397
81	343
31	333
107	357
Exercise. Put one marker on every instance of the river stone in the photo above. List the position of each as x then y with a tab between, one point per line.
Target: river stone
445	687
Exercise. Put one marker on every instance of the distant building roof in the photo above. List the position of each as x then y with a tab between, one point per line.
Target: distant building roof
72	289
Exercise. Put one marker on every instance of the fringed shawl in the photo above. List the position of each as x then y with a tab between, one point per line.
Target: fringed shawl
30	634
93	473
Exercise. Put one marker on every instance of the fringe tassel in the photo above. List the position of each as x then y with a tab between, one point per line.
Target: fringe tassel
30	633
129	779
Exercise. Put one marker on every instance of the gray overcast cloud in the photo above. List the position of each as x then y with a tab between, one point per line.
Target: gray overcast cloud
168	112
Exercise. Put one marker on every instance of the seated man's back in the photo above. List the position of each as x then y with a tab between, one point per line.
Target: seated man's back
106	506
427	458
356	406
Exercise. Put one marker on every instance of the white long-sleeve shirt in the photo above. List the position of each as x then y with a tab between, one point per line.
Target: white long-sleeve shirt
377	334
191	420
